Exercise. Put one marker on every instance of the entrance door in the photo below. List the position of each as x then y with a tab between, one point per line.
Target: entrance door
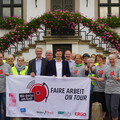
63	47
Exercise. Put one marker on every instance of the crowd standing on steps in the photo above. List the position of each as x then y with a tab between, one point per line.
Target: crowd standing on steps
105	76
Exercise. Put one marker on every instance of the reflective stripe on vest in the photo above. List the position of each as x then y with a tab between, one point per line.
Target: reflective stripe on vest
96	64
22	72
93	75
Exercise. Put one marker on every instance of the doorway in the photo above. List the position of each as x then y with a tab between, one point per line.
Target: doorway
63	47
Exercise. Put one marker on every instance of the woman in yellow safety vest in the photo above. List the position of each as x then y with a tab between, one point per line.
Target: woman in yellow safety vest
90	62
94	57
20	68
10	60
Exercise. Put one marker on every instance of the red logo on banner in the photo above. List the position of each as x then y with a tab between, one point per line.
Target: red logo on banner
100	72
40	92
12	99
1	72
80	114
112	73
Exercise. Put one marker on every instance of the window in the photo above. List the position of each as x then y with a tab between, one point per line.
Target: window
63	5
11	8
108	8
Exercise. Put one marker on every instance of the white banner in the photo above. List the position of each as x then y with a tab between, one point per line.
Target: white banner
47	97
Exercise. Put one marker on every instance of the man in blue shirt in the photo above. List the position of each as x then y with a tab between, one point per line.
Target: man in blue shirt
38	65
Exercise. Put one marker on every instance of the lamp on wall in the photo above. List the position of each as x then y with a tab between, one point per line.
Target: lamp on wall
36	3
86	3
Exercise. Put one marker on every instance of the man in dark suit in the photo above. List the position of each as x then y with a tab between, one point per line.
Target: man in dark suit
58	67
38	65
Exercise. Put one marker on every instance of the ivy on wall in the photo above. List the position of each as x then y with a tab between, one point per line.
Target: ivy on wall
58	20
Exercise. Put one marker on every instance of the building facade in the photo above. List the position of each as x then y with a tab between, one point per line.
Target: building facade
29	9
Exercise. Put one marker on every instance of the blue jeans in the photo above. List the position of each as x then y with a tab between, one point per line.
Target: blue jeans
3	101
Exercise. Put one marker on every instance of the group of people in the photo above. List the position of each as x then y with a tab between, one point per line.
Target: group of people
105	77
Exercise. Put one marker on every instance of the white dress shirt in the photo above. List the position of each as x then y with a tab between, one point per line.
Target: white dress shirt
59	69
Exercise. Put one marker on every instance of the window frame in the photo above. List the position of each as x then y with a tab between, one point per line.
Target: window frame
108	5
12	6
62	6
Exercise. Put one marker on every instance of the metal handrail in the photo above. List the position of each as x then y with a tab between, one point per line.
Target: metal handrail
19	45
81	31
94	39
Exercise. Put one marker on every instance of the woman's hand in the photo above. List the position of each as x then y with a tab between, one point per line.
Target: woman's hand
115	77
92	78
7	74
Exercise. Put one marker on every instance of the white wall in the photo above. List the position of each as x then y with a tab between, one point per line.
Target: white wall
49	47
87	11
33	11
85	49
3	31
74	48
117	30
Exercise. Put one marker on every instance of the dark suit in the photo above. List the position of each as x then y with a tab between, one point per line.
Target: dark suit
51	68
32	66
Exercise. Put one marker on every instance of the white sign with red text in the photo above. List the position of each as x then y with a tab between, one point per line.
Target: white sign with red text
47	97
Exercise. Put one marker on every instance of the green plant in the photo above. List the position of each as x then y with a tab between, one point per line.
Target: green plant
59	20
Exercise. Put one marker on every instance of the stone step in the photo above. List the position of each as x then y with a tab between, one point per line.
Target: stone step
48	40
25	49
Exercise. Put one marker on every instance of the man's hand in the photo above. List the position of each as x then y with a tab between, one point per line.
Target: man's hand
32	74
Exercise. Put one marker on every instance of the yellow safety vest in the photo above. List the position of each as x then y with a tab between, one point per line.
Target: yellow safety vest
4	61
93	75
96	64
22	72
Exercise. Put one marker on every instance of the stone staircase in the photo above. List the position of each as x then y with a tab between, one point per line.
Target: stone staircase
29	51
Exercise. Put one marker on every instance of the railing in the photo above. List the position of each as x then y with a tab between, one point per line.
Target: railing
37	36
80	31
89	35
